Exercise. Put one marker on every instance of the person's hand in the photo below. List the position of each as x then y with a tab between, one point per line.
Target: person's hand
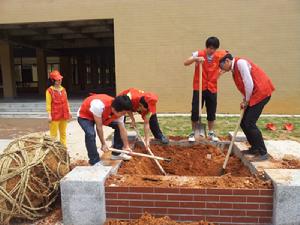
243	105
104	148
199	59
127	149
49	118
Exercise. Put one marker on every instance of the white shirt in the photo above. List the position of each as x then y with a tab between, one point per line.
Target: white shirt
245	70
97	108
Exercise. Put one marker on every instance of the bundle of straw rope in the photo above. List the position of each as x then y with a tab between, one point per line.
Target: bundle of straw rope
30	170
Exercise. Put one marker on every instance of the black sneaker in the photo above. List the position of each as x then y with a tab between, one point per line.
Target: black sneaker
164	140
250	151
261	158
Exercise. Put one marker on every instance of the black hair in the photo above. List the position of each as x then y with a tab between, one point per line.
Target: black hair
143	102
212	42
50	82
227	56
122	103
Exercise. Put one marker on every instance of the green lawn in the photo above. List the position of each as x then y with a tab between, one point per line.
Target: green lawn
181	126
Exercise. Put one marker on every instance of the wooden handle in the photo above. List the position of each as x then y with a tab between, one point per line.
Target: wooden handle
139	154
150	152
233	138
200	89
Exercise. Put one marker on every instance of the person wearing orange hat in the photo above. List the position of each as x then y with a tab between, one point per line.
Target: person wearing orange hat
145	104
57	106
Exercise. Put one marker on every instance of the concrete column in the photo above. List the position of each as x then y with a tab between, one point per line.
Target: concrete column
41	70
81	72
94	72
7	66
65	67
83	195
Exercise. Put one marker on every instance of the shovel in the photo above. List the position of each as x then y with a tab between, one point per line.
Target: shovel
200	128
140	154
150	152
231	143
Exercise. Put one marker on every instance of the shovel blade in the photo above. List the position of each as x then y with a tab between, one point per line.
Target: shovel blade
200	131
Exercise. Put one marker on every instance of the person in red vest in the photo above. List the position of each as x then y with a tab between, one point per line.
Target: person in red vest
209	58
257	88
103	110
145	104
57	106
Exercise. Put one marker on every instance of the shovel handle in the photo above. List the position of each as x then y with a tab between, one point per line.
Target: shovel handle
233	138
200	90
139	154
150	152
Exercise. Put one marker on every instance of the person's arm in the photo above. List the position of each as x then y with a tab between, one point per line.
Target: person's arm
68	104
123	133
147	131
245	72
130	114
48	105
100	133
194	58
97	108
246	77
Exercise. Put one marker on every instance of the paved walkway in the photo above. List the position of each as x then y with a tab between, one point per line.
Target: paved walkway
75	141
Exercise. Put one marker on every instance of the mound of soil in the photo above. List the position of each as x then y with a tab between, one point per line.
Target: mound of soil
193	160
147	219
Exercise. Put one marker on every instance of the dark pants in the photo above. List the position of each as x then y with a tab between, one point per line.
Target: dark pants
90	139
154	126
210	100
250	129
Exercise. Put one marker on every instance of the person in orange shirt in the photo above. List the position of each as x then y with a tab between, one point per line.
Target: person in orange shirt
57	106
145	104
100	110
256	88
209	58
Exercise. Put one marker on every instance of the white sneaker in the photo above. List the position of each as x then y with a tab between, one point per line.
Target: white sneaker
192	137
122	156
213	136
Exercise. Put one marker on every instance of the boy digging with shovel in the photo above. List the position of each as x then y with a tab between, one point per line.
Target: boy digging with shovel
209	58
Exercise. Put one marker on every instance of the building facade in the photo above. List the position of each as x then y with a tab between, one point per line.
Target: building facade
110	45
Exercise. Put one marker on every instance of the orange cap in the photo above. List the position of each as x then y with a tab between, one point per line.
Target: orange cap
151	100
55	75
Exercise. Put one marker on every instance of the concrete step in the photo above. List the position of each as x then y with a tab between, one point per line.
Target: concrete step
31	109
32	114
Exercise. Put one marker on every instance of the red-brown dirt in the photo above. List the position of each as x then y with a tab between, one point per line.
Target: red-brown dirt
196	160
190	167
147	219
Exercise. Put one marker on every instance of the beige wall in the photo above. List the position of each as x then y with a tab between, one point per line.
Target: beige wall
153	37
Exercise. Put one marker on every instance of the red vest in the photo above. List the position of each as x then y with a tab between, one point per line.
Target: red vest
59	104
210	71
135	97
263	86
107	115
